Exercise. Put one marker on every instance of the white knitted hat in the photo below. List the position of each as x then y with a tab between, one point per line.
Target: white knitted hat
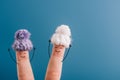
62	36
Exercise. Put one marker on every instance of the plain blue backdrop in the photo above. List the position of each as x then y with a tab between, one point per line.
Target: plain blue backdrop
95	25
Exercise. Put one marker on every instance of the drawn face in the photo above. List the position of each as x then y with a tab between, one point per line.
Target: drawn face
22	55
59	50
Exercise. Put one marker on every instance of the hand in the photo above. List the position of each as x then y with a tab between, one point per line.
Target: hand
60	39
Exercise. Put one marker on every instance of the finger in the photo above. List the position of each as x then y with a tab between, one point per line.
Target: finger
55	64
61	40
22	46
23	66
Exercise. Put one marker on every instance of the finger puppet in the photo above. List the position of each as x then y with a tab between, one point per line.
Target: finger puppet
22	45
61	40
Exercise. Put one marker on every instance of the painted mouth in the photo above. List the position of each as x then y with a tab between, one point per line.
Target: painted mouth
22	56
57	51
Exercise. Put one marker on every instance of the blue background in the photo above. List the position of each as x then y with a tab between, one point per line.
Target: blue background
95	25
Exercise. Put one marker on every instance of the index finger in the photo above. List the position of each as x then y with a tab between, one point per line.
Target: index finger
61	40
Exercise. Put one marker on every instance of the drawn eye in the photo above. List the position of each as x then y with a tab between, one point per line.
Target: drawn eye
61	47
56	47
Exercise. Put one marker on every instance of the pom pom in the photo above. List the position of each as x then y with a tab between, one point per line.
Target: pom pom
22	42
63	29
62	36
22	34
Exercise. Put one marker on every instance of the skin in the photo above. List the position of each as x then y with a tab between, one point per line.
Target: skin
54	68
23	66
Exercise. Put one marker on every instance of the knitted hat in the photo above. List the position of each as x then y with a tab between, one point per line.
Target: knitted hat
62	36
22	41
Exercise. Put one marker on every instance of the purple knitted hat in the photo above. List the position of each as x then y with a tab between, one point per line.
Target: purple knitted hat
22	41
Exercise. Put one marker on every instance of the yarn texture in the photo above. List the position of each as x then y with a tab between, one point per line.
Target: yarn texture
22	41
62	36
